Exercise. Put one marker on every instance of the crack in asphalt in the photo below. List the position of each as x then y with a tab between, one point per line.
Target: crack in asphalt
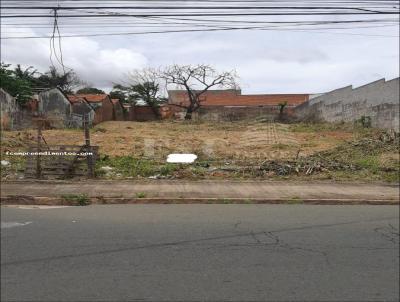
254	236
237	224
279	243
389	233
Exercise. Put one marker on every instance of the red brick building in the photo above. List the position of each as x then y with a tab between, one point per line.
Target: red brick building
101	104
146	113
233	103
232	97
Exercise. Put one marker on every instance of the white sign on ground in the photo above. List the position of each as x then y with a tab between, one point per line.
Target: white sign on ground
181	158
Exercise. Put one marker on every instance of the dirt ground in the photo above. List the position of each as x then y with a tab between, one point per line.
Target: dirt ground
228	150
220	141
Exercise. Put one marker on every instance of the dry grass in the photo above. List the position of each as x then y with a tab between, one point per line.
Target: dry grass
236	150
222	141
389	159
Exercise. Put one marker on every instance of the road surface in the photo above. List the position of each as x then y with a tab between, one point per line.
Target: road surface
200	253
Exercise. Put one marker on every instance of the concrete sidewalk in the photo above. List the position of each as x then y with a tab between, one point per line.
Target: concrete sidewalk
200	191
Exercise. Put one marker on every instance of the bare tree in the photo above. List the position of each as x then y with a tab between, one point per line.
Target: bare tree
142	85
197	80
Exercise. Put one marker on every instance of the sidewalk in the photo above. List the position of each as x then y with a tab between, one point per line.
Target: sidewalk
162	191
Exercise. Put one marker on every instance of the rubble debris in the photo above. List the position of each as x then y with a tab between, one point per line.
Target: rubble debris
107	168
340	158
5	163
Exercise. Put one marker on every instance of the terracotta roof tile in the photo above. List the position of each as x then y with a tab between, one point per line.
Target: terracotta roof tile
93	98
75	99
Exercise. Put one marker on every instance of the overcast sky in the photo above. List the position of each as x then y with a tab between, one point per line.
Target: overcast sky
266	61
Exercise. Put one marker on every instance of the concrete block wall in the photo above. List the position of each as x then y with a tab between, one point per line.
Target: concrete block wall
378	100
56	107
8	109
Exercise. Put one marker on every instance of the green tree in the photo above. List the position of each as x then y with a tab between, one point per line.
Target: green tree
89	90
26	74
116	93
142	85
67	82
18	87
282	107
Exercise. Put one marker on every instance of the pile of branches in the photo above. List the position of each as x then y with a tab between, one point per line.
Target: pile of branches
305	166
338	159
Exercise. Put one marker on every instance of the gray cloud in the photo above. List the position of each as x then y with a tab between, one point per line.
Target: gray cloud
267	61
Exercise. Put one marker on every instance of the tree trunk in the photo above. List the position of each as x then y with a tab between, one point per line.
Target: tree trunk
188	115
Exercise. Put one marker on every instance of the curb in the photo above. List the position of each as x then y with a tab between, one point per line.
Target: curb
196	181
100	200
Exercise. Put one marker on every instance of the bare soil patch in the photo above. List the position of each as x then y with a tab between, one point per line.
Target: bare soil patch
209	140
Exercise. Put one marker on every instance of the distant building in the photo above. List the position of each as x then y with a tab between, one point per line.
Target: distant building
118	111
101	104
234	97
80	109
231	104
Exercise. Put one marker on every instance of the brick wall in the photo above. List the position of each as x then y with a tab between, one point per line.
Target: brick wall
104	111
235	98
118	112
140	113
144	113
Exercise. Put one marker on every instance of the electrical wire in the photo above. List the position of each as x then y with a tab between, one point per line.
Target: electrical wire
161	16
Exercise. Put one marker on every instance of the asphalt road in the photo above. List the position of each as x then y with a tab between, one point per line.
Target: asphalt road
200	253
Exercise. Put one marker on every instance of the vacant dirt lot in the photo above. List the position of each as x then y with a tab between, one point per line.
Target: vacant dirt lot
226	150
155	140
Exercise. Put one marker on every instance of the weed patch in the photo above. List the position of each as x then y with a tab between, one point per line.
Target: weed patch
140	195
295	200
130	166
77	199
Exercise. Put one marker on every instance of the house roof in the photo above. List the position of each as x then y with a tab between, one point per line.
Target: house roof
75	99
231	97
92	97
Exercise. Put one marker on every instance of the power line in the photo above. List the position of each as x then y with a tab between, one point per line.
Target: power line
209	18
171	31
195	8
204	14
387	2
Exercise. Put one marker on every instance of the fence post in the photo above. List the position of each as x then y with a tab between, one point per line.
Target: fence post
38	159
89	158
